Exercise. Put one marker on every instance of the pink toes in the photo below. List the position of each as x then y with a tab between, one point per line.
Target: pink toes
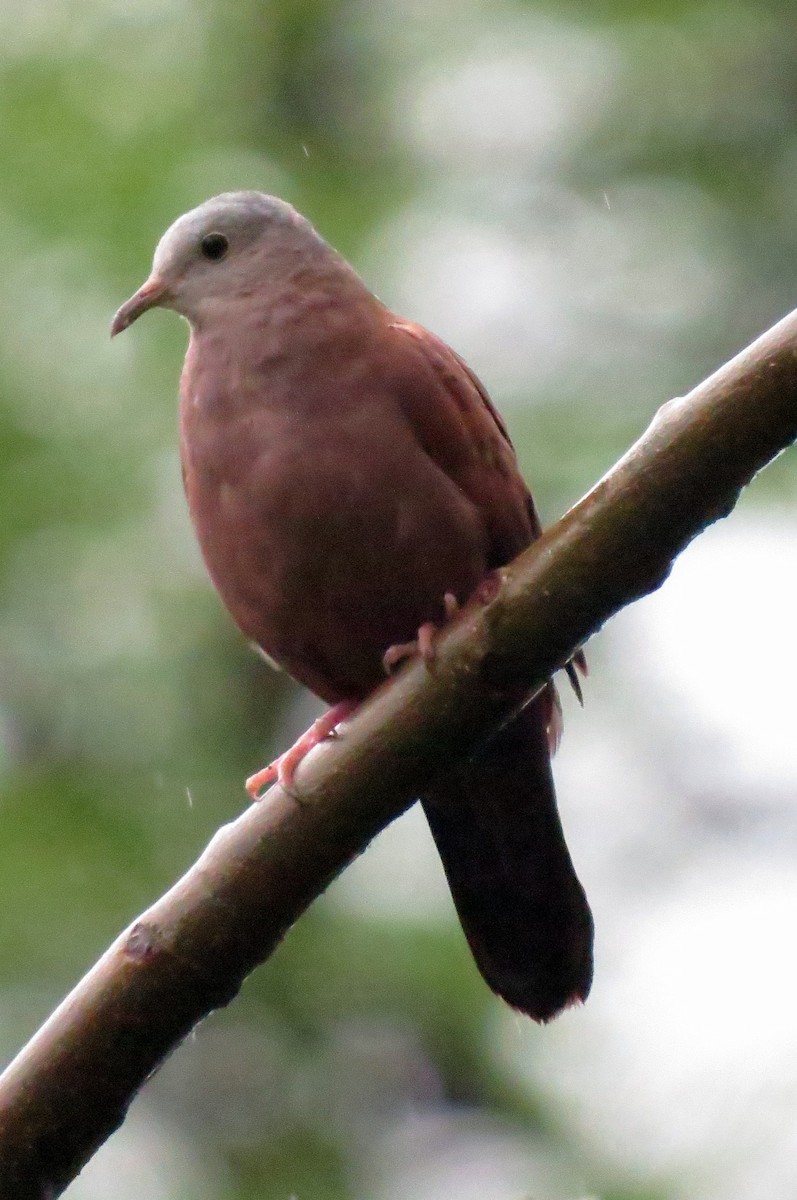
424	643
283	769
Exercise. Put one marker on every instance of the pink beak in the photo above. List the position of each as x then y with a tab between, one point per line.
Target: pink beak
149	295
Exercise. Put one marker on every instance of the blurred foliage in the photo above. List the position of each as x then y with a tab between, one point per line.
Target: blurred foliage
596	204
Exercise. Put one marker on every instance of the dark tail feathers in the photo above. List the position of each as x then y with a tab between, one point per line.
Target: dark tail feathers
522	908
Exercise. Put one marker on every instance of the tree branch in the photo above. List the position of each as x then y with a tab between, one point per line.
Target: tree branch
70	1087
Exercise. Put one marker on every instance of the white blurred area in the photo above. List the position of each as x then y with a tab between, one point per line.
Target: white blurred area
150	1157
677	787
539	281
438	1155
683	1064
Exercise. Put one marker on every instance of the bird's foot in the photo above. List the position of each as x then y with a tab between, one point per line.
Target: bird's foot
283	769
424	643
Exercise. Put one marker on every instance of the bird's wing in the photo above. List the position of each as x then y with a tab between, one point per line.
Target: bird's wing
462	432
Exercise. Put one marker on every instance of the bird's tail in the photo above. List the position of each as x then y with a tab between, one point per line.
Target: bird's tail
498	833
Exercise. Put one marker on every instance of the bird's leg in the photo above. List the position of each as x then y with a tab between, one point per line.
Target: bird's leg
424	643
283	768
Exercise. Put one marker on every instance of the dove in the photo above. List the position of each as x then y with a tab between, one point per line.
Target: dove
351	484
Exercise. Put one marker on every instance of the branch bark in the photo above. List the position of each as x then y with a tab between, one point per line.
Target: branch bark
70	1087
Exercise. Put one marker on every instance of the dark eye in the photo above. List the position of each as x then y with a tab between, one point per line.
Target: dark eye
214	246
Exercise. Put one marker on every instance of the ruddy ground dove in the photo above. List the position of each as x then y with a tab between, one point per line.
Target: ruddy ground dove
350	482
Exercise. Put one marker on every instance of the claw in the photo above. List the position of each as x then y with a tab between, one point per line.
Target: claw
424	643
283	769
451	605
396	654
579	660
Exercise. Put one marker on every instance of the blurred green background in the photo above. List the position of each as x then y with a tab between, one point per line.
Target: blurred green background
596	204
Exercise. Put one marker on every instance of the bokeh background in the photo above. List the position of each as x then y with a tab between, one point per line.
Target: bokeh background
596	203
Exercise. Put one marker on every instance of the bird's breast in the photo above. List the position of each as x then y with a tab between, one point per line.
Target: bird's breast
329	539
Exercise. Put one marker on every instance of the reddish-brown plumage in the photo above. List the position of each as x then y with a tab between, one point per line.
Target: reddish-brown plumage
344	471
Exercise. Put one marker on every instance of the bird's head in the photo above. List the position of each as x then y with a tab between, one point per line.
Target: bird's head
219	251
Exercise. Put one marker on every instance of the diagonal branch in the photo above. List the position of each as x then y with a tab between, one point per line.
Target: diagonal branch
70	1087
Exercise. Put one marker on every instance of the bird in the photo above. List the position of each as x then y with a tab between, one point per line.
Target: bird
351	484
